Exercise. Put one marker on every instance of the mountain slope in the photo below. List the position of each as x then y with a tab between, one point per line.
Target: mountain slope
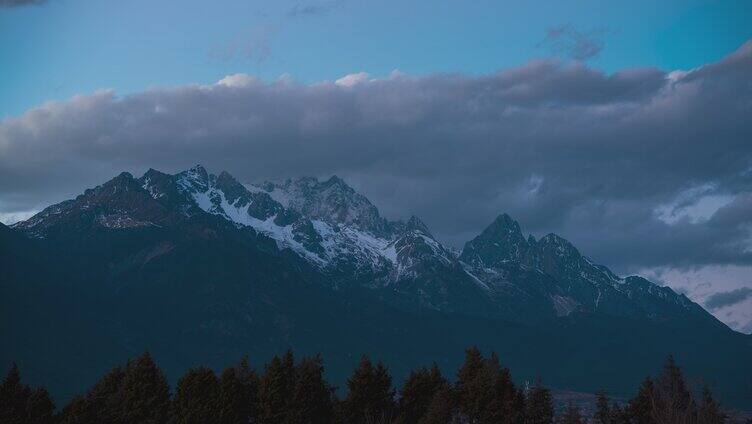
500	273
201	269
550	276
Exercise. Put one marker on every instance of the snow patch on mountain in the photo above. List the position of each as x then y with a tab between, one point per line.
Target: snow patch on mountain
122	220
307	197
564	305
147	185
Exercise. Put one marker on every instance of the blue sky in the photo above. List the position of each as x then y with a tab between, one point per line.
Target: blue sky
54	50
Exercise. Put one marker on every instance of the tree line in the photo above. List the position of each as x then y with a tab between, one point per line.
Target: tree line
290	392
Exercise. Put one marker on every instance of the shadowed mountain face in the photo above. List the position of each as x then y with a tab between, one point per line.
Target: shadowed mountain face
200	268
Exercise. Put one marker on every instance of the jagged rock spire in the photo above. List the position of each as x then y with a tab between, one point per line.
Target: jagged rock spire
501	241
415	224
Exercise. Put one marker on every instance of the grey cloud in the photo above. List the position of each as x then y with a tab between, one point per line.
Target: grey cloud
566	40
681	290
560	146
729	298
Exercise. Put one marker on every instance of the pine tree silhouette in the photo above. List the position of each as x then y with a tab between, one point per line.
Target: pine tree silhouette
442	409
709	411
103	402
509	405
21	405
13	397
313	398
196	399
39	407
467	382
276	389
238	394
145	393
672	401
77	411
486	391
640	408
417	393
370	396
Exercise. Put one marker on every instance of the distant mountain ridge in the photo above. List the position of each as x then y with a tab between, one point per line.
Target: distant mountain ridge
200	269
341	233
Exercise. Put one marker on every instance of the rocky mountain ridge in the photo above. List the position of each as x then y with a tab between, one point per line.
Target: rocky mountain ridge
201	269
339	232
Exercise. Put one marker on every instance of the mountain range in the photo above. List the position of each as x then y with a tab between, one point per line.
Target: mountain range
199	268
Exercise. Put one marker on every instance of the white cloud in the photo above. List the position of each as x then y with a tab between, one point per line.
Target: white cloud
700	283
286	78
10	218
237	80
351	80
697	204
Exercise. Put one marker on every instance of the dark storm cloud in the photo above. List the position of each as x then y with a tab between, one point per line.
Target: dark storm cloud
729	298
17	3
566	40
638	168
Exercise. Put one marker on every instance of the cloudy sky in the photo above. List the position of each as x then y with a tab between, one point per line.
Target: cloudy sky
627	130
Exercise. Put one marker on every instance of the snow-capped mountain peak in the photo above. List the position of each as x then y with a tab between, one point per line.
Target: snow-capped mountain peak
327	223
341	234
331	200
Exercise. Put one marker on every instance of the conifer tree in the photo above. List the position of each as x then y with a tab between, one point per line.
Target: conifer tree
486	391
672	400
103	400
196	399
709	411
145	394
21	405
468	380
418	392
276	389
497	393
312	401
442	409
510	402
102	403
370	396
640	408
238	394
77	411
468	371
13	398
39	407
539	408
